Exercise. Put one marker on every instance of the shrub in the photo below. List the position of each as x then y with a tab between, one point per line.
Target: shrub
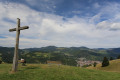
118	57
0	61
105	62
94	64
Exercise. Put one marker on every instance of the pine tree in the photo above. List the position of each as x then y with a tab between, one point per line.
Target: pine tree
0	61
118	57
111	58
105	62
94	64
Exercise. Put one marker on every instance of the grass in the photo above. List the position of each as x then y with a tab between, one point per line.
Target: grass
54	72
113	67
5	68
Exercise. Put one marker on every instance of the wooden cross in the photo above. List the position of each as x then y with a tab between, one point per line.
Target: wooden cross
15	59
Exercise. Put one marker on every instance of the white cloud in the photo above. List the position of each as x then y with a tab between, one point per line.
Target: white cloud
108	25
50	29
96	5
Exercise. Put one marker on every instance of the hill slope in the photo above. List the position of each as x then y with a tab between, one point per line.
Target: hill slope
114	66
47	72
6	54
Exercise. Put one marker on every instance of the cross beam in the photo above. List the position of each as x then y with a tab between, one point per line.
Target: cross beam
15	58
21	28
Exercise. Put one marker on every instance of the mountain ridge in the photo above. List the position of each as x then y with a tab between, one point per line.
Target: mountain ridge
67	55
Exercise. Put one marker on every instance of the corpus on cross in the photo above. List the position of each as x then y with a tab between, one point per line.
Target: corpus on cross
15	58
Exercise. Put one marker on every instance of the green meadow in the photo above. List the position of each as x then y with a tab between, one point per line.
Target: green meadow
113	67
54	72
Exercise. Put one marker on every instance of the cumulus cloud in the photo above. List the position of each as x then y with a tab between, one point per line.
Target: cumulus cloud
109	25
50	29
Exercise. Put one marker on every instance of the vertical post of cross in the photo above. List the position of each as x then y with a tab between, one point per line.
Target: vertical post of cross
15	59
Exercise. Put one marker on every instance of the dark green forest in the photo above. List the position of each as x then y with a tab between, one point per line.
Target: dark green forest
67	55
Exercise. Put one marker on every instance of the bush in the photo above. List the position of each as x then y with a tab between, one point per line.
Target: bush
105	62
94	64
118	57
111	58
0	61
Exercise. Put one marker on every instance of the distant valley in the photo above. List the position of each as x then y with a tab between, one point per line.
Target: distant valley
67	55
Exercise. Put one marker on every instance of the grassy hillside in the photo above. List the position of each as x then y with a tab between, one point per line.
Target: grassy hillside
54	72
114	66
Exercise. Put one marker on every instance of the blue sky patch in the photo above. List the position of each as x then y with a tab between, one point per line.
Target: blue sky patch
8	20
2	36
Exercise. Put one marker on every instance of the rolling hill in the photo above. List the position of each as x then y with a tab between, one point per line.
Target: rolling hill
114	66
67	55
6	54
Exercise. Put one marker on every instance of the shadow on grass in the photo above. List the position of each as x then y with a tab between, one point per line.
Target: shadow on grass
32	67
28	68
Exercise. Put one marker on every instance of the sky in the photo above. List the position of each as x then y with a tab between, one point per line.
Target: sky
62	23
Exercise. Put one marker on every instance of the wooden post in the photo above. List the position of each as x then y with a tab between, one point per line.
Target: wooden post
15	59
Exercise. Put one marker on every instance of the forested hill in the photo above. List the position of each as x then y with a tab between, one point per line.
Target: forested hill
6	54
67	55
110	52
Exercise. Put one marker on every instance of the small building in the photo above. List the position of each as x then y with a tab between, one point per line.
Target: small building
22	60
